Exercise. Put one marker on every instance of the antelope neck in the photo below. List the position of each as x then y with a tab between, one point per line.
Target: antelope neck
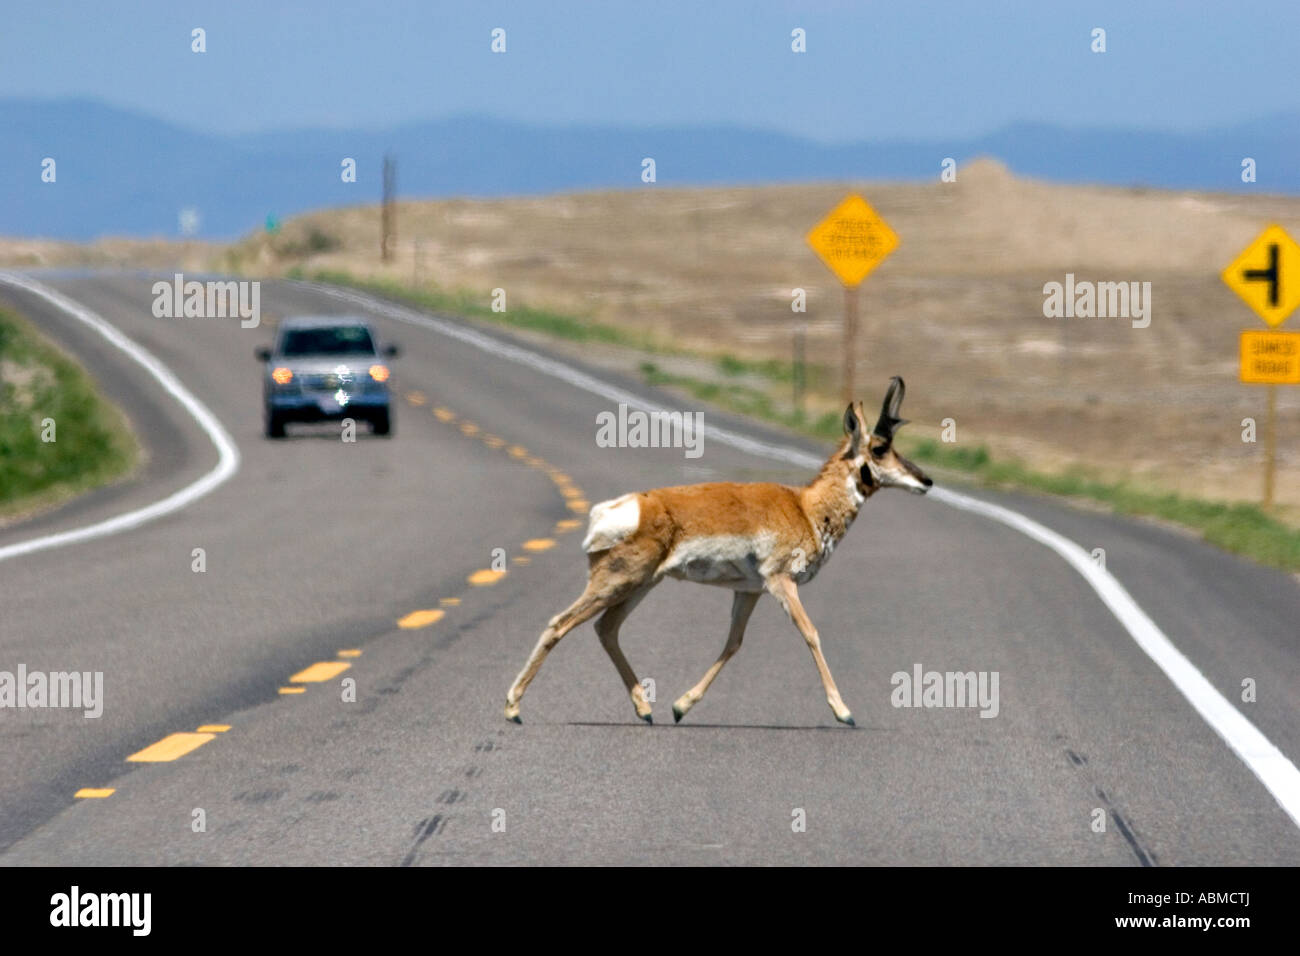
834	497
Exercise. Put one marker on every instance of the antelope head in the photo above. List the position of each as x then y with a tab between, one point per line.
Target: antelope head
881	466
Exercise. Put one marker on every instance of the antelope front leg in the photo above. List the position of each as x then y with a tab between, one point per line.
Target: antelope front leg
741	607
786	593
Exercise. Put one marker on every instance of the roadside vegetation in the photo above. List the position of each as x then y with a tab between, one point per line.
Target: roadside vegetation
43	394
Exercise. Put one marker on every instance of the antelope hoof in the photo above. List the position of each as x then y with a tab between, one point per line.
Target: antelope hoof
846	719
679	711
641	705
512	713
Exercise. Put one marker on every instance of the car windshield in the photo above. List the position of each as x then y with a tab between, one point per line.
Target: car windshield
329	340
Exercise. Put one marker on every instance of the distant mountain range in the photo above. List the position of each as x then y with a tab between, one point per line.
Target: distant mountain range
122	173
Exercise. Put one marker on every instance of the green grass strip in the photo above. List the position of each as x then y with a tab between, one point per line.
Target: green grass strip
39	385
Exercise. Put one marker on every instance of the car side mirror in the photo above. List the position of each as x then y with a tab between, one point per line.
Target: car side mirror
263	353
392	351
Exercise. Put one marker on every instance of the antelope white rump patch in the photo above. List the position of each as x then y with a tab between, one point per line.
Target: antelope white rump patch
611	521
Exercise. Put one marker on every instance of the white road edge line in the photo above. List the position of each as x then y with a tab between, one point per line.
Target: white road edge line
227	452
1275	771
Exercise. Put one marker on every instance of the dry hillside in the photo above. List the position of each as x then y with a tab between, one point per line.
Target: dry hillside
957	309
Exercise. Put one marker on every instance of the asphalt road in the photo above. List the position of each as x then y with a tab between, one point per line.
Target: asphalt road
317	546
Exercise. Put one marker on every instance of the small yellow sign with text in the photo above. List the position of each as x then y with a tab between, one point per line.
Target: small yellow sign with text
852	240
1270	358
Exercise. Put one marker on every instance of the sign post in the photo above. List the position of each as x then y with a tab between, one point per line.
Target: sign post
852	240
800	368
1270	449
850	342
1267	276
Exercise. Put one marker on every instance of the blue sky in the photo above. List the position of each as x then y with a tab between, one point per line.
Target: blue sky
872	70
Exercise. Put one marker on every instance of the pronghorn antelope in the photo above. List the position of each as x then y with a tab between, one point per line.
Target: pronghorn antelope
750	538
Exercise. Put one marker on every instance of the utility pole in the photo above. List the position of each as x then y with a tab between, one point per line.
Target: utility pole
388	211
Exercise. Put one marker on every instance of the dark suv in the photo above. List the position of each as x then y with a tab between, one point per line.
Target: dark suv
326	369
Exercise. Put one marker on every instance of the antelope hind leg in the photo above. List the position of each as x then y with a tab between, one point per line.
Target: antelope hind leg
591	603
607	626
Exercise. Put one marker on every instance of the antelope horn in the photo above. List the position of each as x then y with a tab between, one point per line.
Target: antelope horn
889	419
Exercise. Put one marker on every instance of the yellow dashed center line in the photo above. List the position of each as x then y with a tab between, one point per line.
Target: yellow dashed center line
293	690
420	618
170	748
574	500
320	671
95	793
212	729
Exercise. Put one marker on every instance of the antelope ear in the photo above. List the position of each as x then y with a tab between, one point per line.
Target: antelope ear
852	428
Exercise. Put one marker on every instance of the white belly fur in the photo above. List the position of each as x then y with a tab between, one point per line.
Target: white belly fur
733	561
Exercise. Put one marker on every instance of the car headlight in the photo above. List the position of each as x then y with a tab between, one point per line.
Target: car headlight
282	375
379	373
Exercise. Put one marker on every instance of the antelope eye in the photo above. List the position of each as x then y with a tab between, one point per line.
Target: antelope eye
879	451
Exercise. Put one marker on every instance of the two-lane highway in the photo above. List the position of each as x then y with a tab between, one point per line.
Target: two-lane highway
316	547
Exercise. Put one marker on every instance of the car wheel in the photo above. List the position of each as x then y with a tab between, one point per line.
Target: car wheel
381	424
274	425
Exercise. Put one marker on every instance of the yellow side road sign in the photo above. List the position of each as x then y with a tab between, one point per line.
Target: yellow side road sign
1270	358
1267	275
852	240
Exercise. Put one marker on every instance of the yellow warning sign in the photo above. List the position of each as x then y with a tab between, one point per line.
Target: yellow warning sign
1267	275
1270	358
853	239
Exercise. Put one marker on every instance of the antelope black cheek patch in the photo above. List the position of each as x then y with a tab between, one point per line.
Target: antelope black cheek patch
867	480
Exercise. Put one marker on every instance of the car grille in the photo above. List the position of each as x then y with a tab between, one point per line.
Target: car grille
329	381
